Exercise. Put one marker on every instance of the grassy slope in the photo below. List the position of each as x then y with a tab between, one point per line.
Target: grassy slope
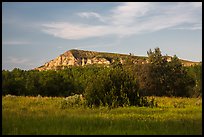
92	54
79	54
34	115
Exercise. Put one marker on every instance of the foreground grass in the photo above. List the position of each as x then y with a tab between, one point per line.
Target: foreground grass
43	115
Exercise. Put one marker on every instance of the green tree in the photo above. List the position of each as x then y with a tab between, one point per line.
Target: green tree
162	78
113	87
178	81
13	82
196	73
156	73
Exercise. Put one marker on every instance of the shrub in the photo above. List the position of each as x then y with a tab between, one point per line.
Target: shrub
72	101
113	87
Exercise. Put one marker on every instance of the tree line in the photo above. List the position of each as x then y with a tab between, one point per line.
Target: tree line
116	85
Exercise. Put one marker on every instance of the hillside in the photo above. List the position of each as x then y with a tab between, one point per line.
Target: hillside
81	58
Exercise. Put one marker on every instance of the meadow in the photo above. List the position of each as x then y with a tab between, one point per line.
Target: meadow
27	115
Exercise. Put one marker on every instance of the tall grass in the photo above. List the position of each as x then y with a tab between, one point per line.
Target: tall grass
45	115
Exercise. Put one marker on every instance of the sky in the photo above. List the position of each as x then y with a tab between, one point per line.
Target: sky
34	33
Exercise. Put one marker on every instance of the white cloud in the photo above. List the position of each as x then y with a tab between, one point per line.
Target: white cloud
130	18
75	31
90	15
128	12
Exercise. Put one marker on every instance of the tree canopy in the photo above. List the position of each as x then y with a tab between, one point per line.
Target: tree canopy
117	85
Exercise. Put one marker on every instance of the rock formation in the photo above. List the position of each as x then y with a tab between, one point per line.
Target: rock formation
83	58
75	58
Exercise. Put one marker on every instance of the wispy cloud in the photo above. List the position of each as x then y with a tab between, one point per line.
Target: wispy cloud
12	62
196	4
130	18
15	60
15	42
91	15
129	12
197	26
74	31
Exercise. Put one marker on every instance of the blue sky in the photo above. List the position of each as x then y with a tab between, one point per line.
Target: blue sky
34	33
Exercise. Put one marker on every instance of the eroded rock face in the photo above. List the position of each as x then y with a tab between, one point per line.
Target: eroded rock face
83	58
68	59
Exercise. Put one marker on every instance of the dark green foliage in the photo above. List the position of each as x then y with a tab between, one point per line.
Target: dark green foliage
45	83
164	78
116	85
179	83
99	85
113	87
13	83
196	73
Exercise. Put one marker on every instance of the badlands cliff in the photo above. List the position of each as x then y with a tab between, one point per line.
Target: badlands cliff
83	58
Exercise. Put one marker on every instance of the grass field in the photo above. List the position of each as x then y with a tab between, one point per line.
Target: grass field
45	115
